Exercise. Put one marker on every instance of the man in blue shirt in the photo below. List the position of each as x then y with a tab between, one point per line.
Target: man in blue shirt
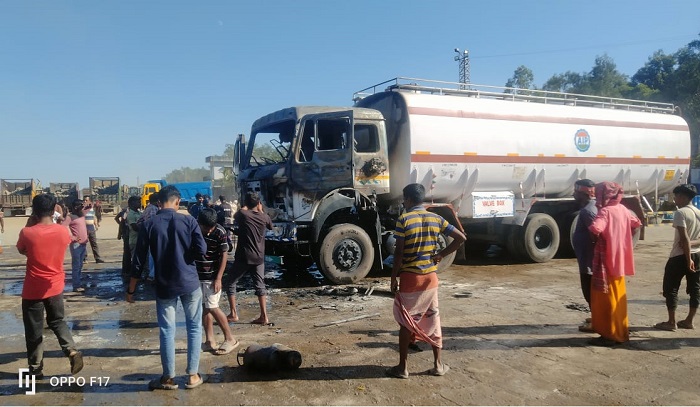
175	241
584	195
197	207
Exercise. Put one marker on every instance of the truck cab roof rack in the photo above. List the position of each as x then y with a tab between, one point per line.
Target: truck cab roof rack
416	85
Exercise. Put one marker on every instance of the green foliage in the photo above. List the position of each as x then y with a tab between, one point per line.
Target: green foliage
603	80
671	78
228	151
264	151
187	174
523	78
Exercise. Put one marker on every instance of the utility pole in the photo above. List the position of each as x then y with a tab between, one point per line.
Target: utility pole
464	75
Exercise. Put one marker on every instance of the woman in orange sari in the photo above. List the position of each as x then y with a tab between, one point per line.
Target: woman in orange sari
613	259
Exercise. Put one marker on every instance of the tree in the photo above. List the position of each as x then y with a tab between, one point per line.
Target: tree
602	80
674	79
605	80
523	78
566	82
655	73
187	174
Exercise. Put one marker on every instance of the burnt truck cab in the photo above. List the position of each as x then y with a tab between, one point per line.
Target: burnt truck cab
319	171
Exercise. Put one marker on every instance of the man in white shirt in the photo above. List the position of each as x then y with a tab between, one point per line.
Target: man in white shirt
683	260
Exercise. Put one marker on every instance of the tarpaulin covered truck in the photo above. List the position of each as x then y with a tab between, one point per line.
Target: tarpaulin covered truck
65	192
107	191
498	163
16	196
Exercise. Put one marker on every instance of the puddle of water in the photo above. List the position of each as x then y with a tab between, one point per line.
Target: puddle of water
12	325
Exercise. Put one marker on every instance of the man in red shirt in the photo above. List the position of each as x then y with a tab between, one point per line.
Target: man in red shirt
45	244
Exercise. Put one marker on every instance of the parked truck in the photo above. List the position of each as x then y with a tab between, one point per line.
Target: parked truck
65	192
107	191
188	190
16	196
497	163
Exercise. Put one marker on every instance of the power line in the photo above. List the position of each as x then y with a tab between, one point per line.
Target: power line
581	48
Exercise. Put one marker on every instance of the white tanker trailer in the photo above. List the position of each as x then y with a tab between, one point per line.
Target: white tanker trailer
498	163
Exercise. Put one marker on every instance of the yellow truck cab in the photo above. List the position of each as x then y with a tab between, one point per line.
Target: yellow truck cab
148	189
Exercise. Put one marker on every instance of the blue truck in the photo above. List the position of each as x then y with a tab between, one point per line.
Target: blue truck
188	190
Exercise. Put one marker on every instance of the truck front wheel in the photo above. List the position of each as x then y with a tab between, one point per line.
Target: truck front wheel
346	254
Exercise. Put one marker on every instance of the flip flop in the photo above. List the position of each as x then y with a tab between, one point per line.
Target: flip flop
603	342
206	347
259	322
157	384
665	326
195	384
396	373
227	347
683	324
587	327
440	372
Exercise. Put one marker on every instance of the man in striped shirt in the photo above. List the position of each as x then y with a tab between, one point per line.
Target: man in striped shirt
92	225
416	261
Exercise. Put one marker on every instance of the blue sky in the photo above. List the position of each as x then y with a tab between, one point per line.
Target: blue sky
135	89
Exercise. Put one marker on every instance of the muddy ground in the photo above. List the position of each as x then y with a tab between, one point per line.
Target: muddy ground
510	338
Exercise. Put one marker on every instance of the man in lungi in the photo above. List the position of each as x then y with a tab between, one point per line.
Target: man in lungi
416	261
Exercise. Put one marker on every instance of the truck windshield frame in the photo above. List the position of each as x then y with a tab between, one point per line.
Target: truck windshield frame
270	144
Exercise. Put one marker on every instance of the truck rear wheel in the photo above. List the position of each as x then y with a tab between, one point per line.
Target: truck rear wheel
346	254
540	237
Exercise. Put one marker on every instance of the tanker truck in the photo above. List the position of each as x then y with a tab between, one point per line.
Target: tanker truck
497	163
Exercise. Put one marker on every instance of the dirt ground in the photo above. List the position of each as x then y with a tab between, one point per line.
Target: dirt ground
510	338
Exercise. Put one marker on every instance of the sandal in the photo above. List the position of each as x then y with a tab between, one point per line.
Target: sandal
157	384
685	324
396	373
227	347
441	371
259	322
195	384
665	326
604	342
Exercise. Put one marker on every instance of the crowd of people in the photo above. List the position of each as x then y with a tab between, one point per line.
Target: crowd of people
186	257
603	244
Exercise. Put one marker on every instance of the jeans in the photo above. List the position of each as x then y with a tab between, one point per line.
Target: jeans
92	238
77	254
166	310
32	316
151	267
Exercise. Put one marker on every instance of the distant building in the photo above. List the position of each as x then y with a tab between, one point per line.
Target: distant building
220	165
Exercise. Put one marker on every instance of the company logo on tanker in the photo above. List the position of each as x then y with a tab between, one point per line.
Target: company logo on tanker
582	140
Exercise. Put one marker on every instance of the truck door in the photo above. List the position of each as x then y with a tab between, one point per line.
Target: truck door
370	159
323	155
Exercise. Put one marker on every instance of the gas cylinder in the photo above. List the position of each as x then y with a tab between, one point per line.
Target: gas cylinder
270	359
